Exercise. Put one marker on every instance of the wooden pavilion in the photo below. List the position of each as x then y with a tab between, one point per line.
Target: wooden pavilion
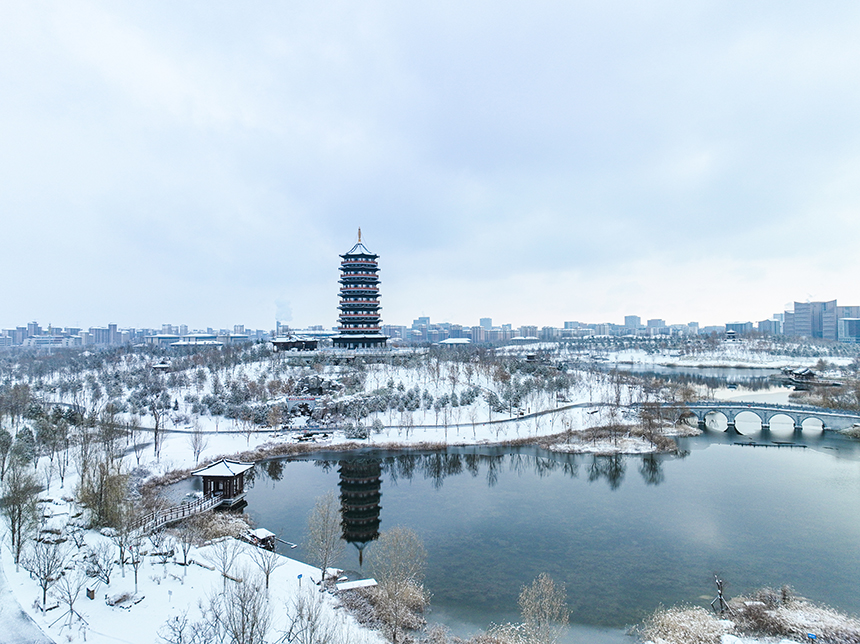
226	479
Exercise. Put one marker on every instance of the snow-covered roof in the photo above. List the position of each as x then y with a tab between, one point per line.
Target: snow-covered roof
359	249
360	583
261	533
223	468
456	341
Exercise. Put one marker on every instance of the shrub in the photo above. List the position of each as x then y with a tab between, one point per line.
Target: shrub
683	625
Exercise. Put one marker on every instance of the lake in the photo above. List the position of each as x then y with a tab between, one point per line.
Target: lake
624	534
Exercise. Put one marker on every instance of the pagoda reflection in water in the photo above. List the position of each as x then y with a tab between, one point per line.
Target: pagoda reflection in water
360	492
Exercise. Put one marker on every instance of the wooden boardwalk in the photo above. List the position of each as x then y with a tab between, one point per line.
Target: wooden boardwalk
160	518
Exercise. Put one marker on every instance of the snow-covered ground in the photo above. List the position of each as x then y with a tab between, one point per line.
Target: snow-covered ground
164	591
170	588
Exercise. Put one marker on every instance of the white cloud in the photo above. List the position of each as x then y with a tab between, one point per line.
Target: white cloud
199	162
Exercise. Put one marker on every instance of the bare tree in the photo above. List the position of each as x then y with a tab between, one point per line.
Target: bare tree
309	621
134	547
398	561
18	505
179	629
324	541
63	453
162	545
137	435
267	561
543	606
45	562
651	417
223	555
101	562
197	441
239	615
123	534
188	534
67	590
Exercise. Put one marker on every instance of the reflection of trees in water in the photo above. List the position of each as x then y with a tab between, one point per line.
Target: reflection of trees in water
437	466
660	379
651	469
610	467
274	468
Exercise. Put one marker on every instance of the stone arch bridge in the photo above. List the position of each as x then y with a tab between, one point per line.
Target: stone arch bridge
831	419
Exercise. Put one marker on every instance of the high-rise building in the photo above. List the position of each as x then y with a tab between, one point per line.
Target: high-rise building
632	321
486	323
359	300
812	320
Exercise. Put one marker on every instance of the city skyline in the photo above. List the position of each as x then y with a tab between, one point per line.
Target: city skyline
824	320
207	163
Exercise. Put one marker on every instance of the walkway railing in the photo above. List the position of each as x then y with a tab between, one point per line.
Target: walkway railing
159	518
788	407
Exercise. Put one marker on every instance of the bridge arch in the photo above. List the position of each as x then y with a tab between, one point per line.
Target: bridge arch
741	413
715	413
780	413
811	422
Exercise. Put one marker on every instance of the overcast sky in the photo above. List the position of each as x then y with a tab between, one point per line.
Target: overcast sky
205	163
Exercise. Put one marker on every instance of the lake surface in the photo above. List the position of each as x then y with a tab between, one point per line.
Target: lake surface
624	534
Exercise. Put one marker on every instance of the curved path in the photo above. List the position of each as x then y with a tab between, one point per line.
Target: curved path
16	626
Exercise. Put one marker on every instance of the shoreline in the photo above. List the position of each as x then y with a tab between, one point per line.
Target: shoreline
549	442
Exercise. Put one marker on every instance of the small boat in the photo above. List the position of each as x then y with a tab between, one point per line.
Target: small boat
261	538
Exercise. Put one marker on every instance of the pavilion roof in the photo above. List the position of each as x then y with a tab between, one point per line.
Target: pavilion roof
223	468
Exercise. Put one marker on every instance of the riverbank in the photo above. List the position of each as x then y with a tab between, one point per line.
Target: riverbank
765	616
601	440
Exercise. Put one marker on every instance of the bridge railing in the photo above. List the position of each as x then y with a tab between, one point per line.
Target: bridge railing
754	405
159	518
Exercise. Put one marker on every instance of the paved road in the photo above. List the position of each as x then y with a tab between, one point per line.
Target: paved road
16	626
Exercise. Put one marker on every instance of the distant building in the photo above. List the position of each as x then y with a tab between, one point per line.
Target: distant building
295	343
849	330
528	331
632	321
656	323
479	334
739	328
769	327
812	320
486	323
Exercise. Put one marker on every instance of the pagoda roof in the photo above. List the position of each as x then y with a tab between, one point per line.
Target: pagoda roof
224	468
359	336
359	249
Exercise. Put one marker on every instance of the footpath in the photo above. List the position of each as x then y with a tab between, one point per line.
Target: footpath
16	626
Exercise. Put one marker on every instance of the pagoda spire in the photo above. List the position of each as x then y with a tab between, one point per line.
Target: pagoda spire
359	234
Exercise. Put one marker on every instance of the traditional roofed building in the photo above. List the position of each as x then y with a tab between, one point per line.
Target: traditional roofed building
359	300
225	479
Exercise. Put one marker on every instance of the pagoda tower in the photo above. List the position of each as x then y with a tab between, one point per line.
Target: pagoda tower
359	300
